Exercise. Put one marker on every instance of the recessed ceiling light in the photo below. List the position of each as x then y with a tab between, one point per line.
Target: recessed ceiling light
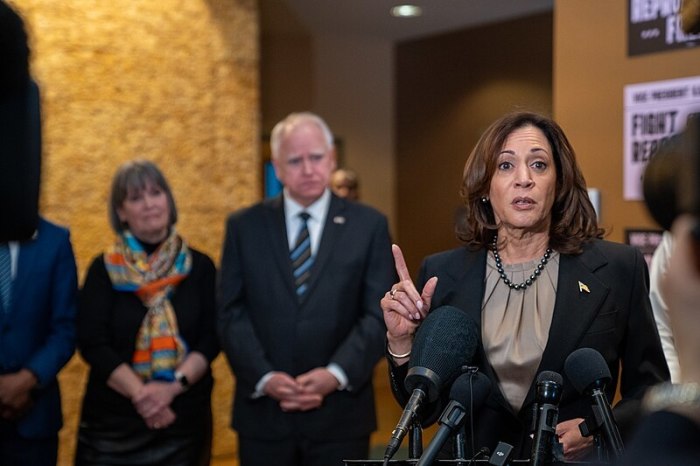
406	11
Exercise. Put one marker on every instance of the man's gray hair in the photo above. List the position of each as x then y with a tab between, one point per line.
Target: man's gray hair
293	120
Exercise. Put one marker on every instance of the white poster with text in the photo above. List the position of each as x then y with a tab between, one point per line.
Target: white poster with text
653	112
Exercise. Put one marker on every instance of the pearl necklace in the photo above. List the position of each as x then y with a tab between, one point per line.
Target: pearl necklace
533	276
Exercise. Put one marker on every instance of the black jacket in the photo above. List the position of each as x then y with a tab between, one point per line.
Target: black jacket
614	318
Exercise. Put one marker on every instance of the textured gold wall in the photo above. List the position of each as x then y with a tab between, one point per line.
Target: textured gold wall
174	81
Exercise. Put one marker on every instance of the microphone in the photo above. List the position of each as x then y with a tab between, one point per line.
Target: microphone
445	341
20	132
547	396
468	393
589	373
14	74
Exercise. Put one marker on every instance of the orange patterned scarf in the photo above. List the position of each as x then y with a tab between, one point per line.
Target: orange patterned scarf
159	347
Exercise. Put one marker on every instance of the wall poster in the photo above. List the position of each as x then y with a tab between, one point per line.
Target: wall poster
653	112
655	26
646	240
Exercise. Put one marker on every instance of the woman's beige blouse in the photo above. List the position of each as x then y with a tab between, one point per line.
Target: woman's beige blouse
515	323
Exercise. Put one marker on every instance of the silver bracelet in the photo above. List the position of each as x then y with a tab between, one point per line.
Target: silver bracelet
394	355
668	395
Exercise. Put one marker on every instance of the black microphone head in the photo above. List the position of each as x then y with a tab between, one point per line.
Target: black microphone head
586	369
445	341
550	376
471	390
20	132
14	72
549	387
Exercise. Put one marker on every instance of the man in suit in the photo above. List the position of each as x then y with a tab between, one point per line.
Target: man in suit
301	279
38	286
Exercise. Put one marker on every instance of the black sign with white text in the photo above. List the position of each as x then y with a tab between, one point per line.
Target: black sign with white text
655	26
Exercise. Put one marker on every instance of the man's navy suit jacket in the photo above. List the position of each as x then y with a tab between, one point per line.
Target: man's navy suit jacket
37	332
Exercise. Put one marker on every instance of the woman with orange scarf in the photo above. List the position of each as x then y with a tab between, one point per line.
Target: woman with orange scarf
146	327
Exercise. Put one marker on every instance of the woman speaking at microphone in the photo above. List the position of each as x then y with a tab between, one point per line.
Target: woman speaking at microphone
537	277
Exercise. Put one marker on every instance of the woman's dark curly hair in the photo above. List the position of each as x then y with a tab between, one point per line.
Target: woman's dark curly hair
573	217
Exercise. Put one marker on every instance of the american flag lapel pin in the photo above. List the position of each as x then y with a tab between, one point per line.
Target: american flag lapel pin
583	288
338	219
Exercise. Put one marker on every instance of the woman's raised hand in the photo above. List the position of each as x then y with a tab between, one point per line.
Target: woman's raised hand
403	307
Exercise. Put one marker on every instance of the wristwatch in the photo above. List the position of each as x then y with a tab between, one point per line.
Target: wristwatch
182	380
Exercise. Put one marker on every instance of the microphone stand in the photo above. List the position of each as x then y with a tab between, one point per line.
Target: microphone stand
461	438
599	447
459	452
415	440
605	420
592	427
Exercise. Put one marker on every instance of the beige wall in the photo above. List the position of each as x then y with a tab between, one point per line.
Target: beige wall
591	67
355	93
449	88
175	81
286	77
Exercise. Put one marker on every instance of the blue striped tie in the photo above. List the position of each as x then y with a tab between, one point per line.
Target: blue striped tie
301	256
5	276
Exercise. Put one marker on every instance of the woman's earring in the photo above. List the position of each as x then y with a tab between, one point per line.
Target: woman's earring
484	200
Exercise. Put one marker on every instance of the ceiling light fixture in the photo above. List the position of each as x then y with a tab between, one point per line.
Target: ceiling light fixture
406	11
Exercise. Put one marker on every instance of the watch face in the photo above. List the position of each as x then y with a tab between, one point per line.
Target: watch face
182	379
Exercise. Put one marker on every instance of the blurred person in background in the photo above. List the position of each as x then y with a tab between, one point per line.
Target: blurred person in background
346	184
38	280
301	279
669	435
38	290
657	272
146	328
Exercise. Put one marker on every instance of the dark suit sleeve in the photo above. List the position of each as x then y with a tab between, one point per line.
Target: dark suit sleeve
643	362
94	322
206	341
364	345
243	349
59	346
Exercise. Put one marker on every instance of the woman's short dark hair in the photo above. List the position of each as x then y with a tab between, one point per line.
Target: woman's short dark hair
134	176
573	217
